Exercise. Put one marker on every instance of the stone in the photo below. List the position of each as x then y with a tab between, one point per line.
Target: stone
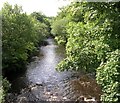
64	98
22	100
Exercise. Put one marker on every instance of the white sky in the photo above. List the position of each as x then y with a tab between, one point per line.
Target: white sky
47	7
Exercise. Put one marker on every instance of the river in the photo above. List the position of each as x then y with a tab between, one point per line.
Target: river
41	81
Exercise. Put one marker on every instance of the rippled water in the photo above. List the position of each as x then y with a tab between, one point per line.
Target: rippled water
42	82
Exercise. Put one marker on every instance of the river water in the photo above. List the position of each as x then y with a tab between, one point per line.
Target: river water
41	81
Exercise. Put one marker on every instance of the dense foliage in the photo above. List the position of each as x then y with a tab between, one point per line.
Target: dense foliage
4	87
108	75
59	31
45	23
92	43
21	35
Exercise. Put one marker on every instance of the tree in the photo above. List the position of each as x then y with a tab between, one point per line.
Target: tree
21	34
93	44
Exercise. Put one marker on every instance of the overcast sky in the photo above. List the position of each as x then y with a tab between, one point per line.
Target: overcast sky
48	7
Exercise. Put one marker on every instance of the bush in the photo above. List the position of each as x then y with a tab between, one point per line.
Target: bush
108	75
4	87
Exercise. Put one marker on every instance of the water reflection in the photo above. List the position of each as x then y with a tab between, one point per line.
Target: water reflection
44	70
51	84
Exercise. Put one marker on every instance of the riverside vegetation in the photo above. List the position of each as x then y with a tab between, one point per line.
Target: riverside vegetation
88	30
21	35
